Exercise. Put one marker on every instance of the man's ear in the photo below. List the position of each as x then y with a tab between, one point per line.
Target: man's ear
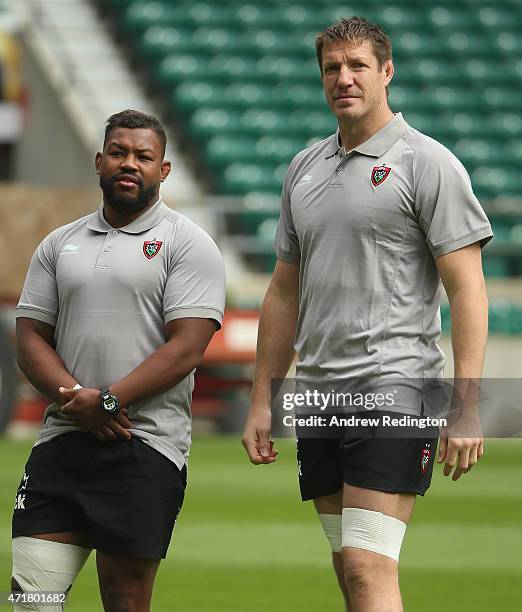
388	72
97	162
166	167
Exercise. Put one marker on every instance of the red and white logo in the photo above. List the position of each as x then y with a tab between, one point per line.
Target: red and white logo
151	248
425	458
380	174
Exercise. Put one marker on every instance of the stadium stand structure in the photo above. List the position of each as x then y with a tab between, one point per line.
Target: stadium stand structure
241	82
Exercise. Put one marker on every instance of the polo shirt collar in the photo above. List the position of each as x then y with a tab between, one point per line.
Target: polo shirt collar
377	144
144	222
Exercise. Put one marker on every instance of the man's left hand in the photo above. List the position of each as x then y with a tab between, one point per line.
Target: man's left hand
84	408
459	454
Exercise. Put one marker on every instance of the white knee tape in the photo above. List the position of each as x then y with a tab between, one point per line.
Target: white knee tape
372	531
332	525
41	565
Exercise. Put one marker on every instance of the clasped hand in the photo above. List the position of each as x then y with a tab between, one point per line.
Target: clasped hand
83	408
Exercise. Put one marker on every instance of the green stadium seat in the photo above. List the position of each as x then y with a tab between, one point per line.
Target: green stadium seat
317	124
232	67
336	10
505	125
267	229
482	70
284	69
509	43
190	95
224	150
249	221
505	317
463	42
301	16
450	17
513	151
219	40
461	125
402	18
278	149
241	178
501	230
303	95
495	181
257	15
250	95
141	15
279	43
264	121
159	41
502	98
499	17
413	44
411	98
515	235
208	14
446	97
428	71
207	122
424	122
173	69
476	151
495	267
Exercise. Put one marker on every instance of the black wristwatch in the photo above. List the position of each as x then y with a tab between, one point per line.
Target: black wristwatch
109	402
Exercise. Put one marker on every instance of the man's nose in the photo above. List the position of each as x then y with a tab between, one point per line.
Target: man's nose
129	162
345	77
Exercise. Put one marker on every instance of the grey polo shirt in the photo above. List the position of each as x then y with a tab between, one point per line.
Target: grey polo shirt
109	293
365	228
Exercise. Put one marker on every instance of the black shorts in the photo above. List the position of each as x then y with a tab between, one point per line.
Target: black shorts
123	494
390	464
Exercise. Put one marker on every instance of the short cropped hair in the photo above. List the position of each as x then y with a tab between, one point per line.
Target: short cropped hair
356	30
134	120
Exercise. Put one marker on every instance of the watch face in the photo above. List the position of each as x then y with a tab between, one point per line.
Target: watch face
109	403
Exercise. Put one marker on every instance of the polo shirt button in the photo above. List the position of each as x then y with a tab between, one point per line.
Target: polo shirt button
114	233
107	249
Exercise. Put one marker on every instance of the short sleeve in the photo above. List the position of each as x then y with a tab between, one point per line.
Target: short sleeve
286	242
195	284
448	211
39	299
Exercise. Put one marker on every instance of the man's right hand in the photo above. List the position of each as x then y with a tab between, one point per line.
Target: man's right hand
256	437
116	428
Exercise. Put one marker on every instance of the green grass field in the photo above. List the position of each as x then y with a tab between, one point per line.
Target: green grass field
245	543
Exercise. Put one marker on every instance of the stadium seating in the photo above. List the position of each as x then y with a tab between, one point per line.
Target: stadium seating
240	80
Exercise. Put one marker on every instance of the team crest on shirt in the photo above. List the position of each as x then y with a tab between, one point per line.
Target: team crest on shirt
425	458
380	174
151	248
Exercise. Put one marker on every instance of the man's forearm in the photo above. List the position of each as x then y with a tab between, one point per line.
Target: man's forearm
163	369
43	366
275	352
469	330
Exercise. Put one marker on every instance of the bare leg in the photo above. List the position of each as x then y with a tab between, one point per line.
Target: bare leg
333	504
372	579
126	583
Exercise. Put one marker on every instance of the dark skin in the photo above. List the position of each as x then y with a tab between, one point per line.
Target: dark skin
136	156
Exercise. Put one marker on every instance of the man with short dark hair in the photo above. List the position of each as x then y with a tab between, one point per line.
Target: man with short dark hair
116	312
372	218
